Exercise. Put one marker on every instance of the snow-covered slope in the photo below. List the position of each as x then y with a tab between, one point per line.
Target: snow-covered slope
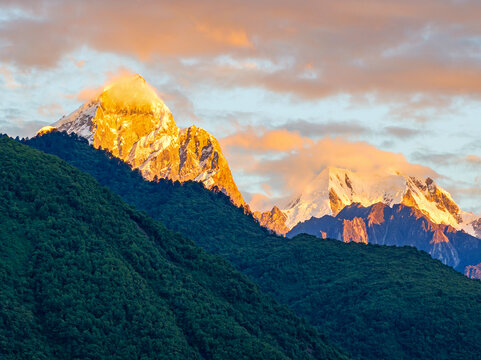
134	124
335	188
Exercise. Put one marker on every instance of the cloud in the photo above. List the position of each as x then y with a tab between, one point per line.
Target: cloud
50	110
8	78
259	202
330	128
297	160
90	93
226	36
269	141
401	132
425	107
438	159
448	159
145	30
21	127
473	159
87	94
388	48
357	156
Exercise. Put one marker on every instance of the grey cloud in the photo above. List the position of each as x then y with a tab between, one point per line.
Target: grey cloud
447	159
320	129
19	127
401	132
439	159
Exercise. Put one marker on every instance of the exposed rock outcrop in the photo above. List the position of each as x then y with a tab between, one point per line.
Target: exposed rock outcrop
399	225
274	219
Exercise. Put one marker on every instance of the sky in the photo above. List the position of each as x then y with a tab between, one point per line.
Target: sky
287	87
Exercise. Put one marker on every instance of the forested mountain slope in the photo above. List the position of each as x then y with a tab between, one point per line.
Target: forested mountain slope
377	302
86	276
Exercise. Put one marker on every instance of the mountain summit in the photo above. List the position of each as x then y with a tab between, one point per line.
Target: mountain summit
133	123
334	188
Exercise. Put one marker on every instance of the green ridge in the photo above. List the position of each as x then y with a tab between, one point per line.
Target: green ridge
86	276
377	302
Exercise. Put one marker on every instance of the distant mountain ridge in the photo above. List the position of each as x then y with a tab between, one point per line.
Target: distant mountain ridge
335	188
398	225
134	124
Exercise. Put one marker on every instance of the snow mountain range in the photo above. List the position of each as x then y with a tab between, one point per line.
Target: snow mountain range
335	188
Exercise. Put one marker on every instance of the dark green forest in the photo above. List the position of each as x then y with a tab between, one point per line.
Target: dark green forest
86	276
377	302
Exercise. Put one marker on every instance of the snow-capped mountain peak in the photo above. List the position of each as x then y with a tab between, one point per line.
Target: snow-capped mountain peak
130	120
334	188
126	111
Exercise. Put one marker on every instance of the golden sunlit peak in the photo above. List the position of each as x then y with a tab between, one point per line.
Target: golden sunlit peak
131	93
131	78
46	129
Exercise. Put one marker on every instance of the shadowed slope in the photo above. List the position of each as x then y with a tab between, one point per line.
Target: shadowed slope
399	225
85	275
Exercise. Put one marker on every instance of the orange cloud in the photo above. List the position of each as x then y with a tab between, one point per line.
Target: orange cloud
87	94
275	140
386	47
227	36
8	78
362	157
260	202
473	159
297	162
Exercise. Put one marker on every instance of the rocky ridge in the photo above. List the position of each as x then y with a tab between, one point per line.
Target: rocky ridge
399	225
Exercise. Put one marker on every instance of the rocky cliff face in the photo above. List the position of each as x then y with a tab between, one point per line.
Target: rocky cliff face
353	230
274	220
476	224
399	225
473	271
132	122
